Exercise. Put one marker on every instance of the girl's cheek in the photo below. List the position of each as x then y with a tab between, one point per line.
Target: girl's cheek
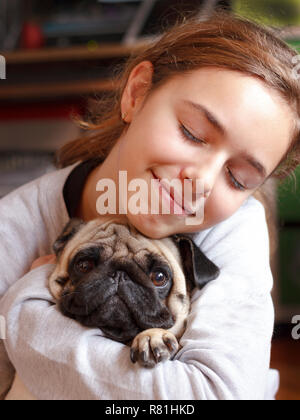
220	206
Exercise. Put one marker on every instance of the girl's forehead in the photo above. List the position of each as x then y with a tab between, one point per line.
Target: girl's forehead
220	81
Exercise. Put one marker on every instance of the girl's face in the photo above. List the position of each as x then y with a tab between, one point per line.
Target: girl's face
227	129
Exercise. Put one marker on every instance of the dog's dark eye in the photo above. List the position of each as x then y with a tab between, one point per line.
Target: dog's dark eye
85	266
159	277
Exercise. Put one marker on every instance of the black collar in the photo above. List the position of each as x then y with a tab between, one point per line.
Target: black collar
74	184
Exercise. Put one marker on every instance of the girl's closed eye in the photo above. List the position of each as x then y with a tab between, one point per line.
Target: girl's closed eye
187	135
233	182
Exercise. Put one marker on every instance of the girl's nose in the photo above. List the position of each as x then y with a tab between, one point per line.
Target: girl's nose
205	173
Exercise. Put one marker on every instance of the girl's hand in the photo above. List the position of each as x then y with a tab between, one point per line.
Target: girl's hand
47	259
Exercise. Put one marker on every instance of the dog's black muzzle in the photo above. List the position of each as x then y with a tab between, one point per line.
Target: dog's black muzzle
117	305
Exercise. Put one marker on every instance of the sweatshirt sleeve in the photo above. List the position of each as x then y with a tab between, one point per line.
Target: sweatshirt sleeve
18	249
225	352
28	227
31	217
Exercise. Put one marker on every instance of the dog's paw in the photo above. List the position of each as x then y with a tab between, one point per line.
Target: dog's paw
153	346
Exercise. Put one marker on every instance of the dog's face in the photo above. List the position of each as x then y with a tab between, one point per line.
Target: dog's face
111	277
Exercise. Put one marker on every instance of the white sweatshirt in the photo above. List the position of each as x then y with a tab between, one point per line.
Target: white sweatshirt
225	351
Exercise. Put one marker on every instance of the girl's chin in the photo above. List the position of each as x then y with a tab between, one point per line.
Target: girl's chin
152	226
157	226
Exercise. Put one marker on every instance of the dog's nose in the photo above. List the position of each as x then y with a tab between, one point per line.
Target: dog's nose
118	276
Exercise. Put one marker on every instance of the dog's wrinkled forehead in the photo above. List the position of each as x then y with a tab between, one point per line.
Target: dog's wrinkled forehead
115	240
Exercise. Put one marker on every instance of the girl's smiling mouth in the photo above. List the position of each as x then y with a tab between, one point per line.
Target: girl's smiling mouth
175	207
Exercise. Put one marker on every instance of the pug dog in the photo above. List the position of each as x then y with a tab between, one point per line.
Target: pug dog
135	289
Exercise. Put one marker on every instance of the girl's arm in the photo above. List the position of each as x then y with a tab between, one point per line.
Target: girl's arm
225	350
17	252
29	224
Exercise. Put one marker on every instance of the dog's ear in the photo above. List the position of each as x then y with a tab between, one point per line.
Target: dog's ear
198	268
71	228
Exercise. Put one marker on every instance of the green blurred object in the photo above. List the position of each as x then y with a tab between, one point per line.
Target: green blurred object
294	43
289	199
289	266
271	12
289	241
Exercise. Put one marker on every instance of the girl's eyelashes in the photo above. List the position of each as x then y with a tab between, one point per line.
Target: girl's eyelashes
187	135
234	182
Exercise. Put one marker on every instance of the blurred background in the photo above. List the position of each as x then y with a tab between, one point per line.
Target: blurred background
61	56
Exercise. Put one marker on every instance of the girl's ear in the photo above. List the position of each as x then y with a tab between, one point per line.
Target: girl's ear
138	85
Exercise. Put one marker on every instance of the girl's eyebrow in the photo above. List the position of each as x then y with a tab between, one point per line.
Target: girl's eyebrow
212	119
257	165
209	116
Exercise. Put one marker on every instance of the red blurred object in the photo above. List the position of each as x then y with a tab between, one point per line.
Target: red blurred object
32	36
58	111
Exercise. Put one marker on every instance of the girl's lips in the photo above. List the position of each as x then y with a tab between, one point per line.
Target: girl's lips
170	197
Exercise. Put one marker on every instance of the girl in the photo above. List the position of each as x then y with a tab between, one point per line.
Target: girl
215	101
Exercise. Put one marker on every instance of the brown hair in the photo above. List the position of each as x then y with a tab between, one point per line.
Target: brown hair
223	40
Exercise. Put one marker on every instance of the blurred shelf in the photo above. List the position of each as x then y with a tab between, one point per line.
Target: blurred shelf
75	53
62	57
36	91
